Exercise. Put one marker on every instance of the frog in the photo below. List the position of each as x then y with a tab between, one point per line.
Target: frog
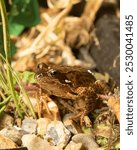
70	83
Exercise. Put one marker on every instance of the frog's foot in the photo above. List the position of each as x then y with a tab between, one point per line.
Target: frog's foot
84	119
79	107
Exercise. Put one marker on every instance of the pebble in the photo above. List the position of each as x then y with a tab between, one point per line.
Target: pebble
6	143
6	120
57	134
42	124
13	134
29	125
87	140
74	146
71	125
32	142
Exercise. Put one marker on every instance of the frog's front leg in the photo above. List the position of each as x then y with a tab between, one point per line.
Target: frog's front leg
67	105
44	104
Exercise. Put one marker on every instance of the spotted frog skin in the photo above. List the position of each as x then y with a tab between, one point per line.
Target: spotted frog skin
67	82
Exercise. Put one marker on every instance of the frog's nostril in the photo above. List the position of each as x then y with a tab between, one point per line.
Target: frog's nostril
40	75
41	66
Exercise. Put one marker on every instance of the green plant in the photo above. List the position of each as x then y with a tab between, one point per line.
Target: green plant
7	74
23	13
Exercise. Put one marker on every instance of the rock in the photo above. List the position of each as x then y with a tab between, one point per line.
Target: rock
32	142
6	143
5	120
71	125
42	124
87	140
57	134
107	56
13	134
74	146
29	125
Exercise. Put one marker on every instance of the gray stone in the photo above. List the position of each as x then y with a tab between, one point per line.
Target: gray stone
74	146
71	125
87	140
57	134
13	134
29	125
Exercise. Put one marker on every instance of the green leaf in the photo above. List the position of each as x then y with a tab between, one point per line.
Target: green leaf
15	28
28	77
25	12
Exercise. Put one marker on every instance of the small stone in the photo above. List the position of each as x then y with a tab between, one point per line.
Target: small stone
71	125
42	124
74	146
87	140
29	125
6	143
32	142
57	134
6	120
13	134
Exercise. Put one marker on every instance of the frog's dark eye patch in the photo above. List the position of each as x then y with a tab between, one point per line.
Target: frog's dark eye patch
59	76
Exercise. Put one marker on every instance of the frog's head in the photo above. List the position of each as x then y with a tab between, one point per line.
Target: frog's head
44	70
50	73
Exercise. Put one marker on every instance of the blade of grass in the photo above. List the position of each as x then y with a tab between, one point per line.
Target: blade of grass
2	109
6	39
18	80
6	100
24	92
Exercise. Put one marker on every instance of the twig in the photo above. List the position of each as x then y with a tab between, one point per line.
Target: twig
90	11
50	28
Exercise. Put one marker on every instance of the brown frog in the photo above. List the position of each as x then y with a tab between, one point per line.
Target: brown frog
66	82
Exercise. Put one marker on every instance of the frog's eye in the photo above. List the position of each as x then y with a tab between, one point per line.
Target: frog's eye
41	66
51	72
